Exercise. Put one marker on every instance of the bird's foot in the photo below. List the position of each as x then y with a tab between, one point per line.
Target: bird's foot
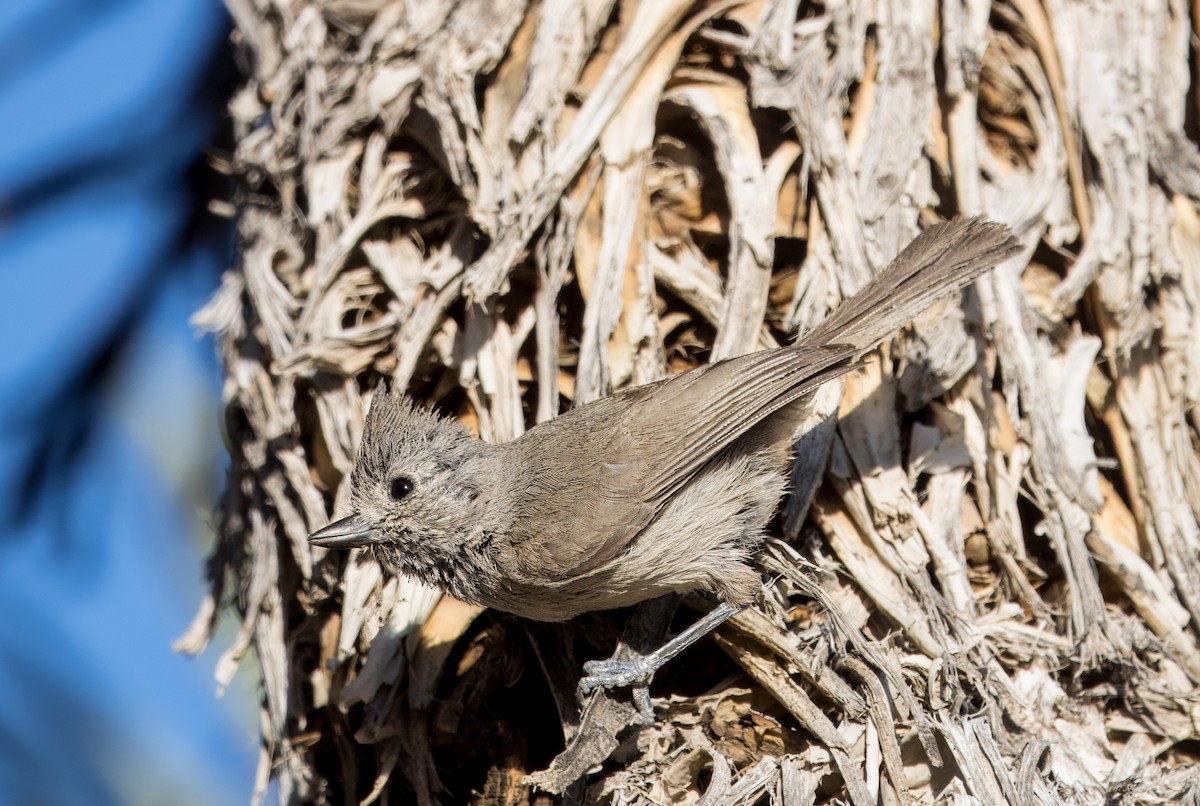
613	673
634	673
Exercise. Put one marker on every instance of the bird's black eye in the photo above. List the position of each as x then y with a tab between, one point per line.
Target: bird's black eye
400	488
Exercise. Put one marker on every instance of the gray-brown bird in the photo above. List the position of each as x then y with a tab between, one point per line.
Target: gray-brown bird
660	488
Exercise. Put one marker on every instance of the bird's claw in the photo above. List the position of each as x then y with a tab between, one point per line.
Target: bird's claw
613	673
635	674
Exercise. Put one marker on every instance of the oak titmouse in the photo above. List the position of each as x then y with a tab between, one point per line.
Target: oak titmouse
660	488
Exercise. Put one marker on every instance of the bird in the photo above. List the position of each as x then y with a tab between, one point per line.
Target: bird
661	488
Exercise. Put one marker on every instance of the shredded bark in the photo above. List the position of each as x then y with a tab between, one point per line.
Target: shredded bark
985	585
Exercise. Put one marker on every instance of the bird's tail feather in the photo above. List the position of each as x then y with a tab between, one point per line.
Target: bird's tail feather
938	262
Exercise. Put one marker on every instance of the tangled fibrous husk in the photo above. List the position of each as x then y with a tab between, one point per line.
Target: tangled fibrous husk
506	208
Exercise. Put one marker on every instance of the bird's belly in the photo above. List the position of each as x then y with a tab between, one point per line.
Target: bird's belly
567	600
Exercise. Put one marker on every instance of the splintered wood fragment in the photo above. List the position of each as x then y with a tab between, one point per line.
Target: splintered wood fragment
881	717
798	704
753	783
878	581
754	625
724	114
1145	590
432	645
650	28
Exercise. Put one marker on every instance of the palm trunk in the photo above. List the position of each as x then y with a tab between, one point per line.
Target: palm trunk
505	208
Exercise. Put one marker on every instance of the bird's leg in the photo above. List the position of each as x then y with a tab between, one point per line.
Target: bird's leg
637	672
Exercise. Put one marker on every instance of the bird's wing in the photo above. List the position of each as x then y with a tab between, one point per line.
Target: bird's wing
601	473
578	492
692	417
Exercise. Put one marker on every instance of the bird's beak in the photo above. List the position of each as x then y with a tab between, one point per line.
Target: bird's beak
347	533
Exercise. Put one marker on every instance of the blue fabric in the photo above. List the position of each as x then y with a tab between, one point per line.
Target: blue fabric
108	439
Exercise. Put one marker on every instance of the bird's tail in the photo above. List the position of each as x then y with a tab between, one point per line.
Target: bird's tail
940	261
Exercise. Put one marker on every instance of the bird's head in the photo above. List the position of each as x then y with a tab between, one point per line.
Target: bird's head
418	490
